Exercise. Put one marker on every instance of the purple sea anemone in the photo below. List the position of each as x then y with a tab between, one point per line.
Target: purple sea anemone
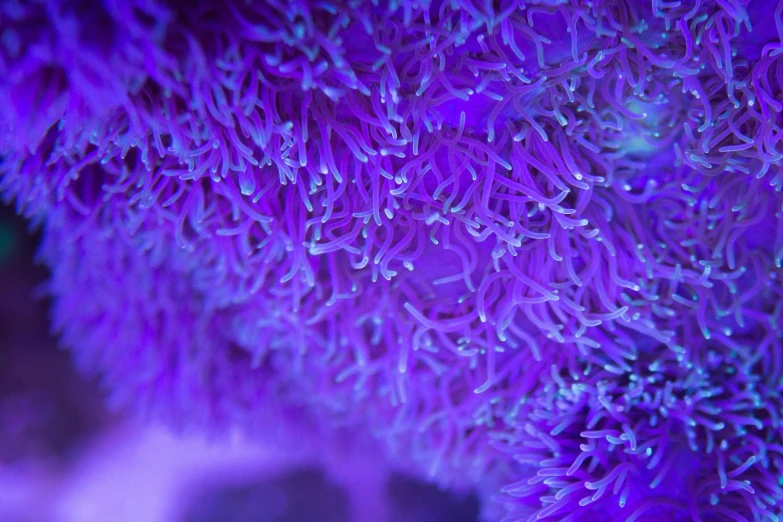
534	247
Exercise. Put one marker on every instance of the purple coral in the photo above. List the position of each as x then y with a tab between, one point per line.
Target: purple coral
527	242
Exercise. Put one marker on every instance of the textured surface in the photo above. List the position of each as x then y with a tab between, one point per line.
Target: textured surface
531	246
63	459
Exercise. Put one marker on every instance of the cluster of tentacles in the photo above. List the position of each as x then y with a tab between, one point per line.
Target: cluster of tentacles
533	246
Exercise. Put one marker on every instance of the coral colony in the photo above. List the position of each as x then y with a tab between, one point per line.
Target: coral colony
533	247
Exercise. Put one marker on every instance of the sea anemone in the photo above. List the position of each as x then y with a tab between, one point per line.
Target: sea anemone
527	241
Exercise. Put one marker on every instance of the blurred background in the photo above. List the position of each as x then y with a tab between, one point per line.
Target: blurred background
65	458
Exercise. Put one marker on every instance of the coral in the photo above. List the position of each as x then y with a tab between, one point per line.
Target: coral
535	243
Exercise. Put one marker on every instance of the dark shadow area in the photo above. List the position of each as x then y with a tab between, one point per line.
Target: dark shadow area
417	501
300	496
47	411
